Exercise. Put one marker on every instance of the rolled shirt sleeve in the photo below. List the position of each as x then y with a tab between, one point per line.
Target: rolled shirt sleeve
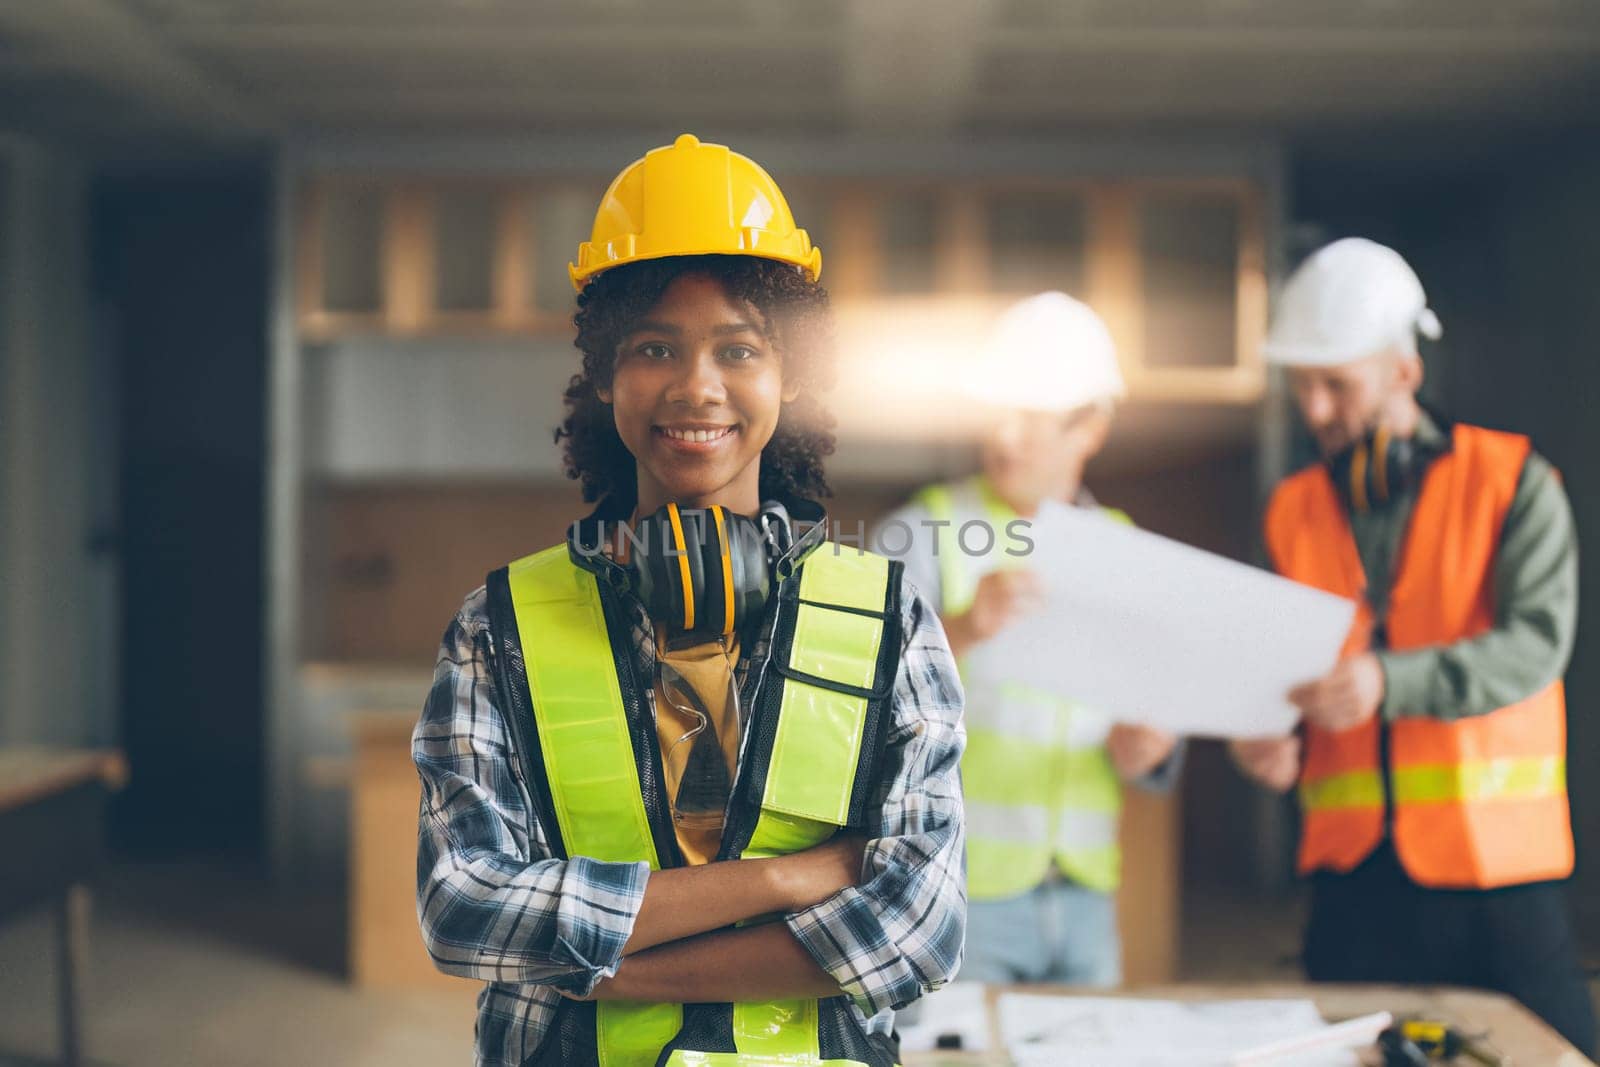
899	933
492	901
1536	614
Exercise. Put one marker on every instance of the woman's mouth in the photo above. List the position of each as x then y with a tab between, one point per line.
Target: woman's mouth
691	436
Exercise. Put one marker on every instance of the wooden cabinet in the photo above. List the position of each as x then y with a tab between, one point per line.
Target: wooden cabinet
1148	904
1176	266
401	257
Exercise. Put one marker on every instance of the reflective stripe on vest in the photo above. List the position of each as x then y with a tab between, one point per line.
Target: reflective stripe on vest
1508	779
1479	802
1037	781
1025	823
592	775
588	758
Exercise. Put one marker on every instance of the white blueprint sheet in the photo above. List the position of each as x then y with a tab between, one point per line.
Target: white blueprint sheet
1153	631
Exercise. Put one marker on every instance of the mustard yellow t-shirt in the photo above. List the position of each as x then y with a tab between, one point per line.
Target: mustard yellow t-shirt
698	761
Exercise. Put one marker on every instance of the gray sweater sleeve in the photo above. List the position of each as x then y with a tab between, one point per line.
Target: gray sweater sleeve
1536	616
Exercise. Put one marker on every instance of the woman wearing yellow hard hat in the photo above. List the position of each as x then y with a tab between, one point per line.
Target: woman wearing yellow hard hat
690	789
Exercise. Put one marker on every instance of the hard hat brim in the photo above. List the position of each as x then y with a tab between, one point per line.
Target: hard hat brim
1317	356
811	266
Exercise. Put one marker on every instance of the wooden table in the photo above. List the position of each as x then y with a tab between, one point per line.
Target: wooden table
52	833
1516	1033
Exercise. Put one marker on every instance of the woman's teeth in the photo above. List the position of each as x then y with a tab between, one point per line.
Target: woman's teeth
698	435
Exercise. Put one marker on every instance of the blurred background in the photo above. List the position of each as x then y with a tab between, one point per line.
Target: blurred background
284	321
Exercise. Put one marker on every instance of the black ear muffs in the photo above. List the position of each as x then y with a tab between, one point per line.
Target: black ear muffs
1378	469
699	570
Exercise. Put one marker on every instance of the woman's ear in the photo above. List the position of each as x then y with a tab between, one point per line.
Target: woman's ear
604	393
791	392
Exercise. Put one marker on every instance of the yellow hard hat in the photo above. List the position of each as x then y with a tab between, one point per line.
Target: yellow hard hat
691	199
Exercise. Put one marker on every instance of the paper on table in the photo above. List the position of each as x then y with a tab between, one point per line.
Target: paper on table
1039	1029
1153	631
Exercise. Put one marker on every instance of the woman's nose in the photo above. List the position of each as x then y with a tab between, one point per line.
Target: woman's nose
699	382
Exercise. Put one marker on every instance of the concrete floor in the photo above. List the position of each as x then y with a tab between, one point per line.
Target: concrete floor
199	965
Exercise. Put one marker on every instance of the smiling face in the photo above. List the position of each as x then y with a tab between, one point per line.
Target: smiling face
695	395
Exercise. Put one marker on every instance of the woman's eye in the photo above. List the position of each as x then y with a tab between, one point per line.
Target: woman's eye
741	352
655	351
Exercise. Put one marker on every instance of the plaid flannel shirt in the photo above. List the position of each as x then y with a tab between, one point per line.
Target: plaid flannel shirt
495	905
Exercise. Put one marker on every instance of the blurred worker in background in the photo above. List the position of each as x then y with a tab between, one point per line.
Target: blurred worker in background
1042	776
1431	761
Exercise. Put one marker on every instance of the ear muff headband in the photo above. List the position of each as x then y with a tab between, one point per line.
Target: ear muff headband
681	546
1379	467
700	570
1358	478
1380	472
727	569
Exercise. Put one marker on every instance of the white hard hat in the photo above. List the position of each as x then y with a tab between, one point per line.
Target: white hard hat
1048	353
1351	299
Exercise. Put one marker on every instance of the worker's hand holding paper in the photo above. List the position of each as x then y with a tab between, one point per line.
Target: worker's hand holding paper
1153	631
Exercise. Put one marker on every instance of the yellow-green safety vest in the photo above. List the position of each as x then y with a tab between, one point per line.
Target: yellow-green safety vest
1037	781
813	735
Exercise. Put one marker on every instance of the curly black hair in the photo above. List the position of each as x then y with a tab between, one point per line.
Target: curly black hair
793	314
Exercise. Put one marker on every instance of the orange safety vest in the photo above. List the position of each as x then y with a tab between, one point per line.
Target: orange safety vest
1479	802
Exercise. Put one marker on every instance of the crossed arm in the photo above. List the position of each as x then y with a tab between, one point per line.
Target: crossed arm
680	947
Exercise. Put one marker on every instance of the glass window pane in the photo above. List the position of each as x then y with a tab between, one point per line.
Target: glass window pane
1189	244
561	219
910	238
464	236
1036	242
352	248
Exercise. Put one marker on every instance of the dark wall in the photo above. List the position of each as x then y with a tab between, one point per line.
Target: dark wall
182	280
1509	251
